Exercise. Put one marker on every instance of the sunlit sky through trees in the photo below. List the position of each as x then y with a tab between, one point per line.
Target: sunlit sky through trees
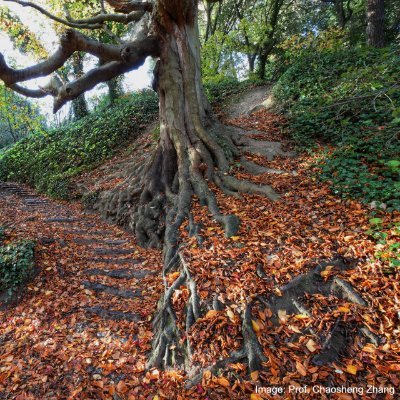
41	26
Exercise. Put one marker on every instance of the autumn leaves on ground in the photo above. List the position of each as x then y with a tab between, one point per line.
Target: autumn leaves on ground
84	327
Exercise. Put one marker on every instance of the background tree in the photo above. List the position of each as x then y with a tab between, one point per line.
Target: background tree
18	117
376	23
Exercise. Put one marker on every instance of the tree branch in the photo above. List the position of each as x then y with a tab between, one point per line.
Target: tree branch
70	42
116	61
127	6
35	93
134	56
133	14
53	17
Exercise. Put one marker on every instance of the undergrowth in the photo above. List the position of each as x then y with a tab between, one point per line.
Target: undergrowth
17	266
349	99
48	161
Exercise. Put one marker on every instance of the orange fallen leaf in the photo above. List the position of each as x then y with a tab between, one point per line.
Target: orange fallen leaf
207	374
121	387
256	326
223	381
352	369
254	375
301	369
211	314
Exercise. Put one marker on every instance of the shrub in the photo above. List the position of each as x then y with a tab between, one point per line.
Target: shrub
218	89
48	161
17	265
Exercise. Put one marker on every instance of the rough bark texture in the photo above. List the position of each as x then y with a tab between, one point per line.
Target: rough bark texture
376	23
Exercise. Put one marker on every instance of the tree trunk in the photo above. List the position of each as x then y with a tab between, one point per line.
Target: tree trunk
79	105
114	89
376	23
194	150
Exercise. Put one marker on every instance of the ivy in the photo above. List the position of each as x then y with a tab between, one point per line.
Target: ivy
17	265
348	98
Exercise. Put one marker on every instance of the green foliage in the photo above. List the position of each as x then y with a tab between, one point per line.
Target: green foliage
155	134
21	36
388	244
349	98
17	265
18	117
50	160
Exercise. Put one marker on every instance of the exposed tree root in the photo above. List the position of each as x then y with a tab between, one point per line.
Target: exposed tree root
255	169
335	343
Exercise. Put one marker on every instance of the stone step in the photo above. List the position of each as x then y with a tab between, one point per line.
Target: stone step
99	241
113	252
86	232
113	315
123	273
63	220
114	291
115	261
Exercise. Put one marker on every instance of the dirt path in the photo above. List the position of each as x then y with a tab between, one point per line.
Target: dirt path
87	319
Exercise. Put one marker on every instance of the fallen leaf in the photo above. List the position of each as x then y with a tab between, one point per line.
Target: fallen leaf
311	346
352	369
121	387
300	368
256	326
223	381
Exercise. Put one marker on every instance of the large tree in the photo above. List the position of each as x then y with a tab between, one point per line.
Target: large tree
194	152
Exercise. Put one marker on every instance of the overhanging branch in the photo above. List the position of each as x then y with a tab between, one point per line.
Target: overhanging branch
133	14
70	42
55	18
116	60
134	56
35	93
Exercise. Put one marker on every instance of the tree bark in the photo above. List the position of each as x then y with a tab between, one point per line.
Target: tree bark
376	23
114	89
79	105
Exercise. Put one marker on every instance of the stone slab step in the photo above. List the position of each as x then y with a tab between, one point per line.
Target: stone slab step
113	315
114	291
113	252
123	273
115	261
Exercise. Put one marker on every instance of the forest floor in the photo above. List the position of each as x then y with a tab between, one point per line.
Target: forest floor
84	328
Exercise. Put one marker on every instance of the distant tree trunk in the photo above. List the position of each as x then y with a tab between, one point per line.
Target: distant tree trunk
376	23
251	58
79	105
114	89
